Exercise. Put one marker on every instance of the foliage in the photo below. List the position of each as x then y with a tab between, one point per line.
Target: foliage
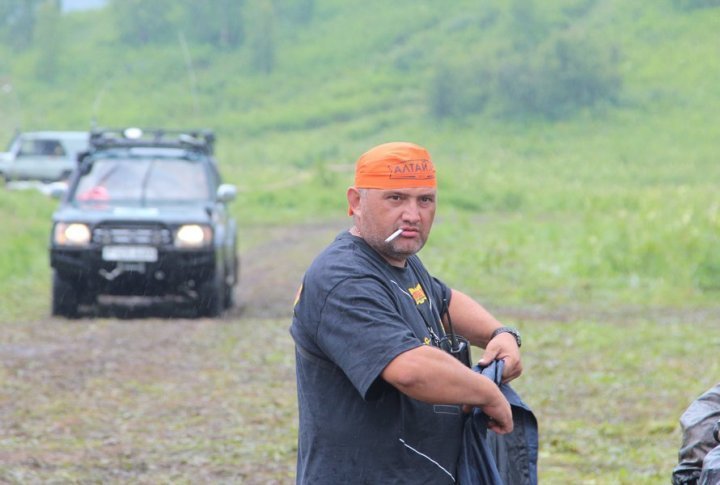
299	11
592	210
263	37
49	40
139	22
563	75
696	4
18	22
542	70
527	27
218	23
456	91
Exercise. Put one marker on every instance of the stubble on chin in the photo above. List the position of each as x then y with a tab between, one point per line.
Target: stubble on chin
396	250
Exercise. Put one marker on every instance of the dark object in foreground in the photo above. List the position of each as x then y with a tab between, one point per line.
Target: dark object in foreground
145	214
699	455
491	459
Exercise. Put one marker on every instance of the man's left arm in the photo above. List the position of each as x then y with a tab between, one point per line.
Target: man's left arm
475	323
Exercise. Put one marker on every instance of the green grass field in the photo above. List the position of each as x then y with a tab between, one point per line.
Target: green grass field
598	234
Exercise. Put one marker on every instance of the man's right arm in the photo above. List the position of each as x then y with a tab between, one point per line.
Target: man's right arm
431	375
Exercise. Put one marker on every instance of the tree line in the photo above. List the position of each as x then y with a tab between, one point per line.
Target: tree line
222	24
544	70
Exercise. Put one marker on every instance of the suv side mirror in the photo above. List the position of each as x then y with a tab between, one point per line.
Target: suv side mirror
226	192
58	190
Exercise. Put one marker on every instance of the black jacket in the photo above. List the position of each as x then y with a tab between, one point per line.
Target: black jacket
487	458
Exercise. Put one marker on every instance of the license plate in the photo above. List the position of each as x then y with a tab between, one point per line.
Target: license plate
146	254
131	267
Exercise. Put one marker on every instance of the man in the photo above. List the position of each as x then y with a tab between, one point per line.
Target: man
379	401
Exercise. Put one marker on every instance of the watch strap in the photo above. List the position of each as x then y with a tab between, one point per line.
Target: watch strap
512	331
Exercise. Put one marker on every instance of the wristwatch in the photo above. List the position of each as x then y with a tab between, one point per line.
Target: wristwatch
512	331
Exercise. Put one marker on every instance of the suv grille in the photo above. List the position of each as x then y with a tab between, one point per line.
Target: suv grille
147	235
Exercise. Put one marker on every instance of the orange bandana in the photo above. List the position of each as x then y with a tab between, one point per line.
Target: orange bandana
396	165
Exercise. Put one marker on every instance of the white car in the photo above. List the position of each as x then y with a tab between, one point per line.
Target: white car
46	156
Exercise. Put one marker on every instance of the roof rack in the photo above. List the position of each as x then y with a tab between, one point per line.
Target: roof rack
196	140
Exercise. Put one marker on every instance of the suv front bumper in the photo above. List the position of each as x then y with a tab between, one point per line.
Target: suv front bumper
175	271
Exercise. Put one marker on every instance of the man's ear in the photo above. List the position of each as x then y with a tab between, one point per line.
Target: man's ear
353	198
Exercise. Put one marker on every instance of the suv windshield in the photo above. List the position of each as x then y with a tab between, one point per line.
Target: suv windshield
155	180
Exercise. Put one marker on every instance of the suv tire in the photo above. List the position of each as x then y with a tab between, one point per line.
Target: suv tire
229	284
211	297
64	298
229	296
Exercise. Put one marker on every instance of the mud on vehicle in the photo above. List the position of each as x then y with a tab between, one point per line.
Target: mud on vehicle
145	215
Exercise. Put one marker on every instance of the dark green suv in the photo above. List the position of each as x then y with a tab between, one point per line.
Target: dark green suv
145	215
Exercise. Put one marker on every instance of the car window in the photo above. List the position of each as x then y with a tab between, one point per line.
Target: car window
144	180
41	147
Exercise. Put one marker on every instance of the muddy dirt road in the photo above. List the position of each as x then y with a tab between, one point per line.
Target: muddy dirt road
156	400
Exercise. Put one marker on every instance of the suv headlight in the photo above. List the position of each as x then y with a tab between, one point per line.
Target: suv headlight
193	236
71	234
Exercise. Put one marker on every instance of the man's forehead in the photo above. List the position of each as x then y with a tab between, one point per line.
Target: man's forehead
411	191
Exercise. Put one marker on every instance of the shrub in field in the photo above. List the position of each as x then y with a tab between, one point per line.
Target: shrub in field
458	90
565	74
695	4
707	271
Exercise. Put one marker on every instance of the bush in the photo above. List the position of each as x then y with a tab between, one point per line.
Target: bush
695	4
561	76
458	90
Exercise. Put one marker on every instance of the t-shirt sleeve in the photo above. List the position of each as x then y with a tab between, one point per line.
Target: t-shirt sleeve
361	330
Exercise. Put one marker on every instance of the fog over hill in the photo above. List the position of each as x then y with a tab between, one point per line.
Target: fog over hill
71	5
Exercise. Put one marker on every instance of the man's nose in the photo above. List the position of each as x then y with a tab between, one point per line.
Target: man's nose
411	212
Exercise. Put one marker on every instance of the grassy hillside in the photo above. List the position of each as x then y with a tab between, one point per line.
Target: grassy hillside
597	231
614	202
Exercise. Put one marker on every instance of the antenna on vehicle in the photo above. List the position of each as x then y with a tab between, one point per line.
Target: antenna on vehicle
191	71
96	104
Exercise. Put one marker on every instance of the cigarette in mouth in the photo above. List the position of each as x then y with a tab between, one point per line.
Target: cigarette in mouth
394	235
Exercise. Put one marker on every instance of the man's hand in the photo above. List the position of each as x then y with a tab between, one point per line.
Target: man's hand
498	411
432	375
503	347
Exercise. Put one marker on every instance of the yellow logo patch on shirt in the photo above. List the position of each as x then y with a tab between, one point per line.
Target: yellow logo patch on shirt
418	294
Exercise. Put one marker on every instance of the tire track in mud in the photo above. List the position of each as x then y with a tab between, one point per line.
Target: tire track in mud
271	271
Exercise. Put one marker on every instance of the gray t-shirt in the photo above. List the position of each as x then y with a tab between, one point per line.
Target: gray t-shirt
354	314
